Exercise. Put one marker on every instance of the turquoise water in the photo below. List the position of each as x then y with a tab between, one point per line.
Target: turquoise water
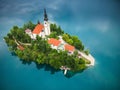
96	24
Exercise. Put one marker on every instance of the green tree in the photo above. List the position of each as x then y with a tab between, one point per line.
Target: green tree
40	58
70	41
75	54
29	25
87	52
65	37
19	53
53	35
81	61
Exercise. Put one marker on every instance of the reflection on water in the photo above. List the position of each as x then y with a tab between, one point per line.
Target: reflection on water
47	67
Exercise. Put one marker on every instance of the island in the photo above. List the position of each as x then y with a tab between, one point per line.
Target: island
47	43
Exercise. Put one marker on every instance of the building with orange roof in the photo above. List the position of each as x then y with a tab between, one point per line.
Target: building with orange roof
38	30
69	48
42	30
54	43
20	47
58	45
29	32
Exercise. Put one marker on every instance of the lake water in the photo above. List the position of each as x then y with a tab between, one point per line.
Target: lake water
98	32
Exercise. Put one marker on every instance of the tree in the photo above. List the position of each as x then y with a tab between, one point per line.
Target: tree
75	39
75	54
29	25
70	41
40	58
57	29
53	27
79	45
53	35
15	28
81	61
65	37
19	53
87	52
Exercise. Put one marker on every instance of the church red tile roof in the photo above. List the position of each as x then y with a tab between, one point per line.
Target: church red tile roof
39	27
69	47
54	42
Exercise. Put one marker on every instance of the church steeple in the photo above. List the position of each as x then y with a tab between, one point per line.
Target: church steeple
45	15
46	24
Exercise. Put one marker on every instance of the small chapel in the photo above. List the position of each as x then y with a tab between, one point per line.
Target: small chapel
40	29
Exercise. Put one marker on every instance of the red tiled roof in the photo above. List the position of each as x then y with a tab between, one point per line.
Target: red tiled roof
69	47
38	28
53	41
21	47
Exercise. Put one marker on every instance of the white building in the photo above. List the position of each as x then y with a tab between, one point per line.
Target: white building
29	32
38	30
69	48
54	43
58	45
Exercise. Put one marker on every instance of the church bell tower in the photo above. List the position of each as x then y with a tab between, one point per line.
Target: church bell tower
46	24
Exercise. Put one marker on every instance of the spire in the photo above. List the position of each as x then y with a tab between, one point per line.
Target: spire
45	15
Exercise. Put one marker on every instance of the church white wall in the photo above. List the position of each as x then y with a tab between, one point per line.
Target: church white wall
54	47
34	36
46	28
42	34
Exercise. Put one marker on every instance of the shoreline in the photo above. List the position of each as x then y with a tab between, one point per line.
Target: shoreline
88	57
92	60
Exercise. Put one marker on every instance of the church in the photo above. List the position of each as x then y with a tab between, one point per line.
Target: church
43	30
40	29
